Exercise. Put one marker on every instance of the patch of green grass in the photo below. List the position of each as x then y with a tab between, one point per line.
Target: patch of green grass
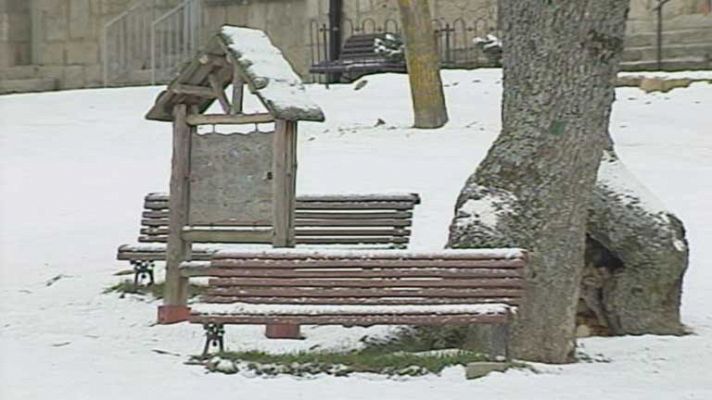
156	290
344	363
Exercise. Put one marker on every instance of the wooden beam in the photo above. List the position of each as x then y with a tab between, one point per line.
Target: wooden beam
177	249
238	88
221	119
284	172
193	90
215	60
233	235
219	93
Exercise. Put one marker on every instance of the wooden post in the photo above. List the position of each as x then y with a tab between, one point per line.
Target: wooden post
237	91
284	174
284	171
174	308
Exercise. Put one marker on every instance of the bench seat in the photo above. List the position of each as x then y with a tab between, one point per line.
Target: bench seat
358	287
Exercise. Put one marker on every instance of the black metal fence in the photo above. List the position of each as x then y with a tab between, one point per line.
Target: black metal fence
455	39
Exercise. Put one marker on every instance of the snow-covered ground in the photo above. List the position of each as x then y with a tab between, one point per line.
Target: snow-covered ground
74	167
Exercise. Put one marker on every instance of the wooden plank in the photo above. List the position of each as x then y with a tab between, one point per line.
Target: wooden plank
483	273
361	292
284	177
370	215
207	235
340	198
357	320
177	248
238	87
158	218
475	254
356	205
353	240
150	256
157	196
363	263
354	222
219	93
368	283
359	300
156	205
226	119
192	90
153	239
214	60
309	232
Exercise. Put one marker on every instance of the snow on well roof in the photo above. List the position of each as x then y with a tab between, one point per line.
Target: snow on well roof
273	79
261	64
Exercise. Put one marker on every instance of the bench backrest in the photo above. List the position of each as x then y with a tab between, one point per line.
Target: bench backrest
319	220
358	47
364	277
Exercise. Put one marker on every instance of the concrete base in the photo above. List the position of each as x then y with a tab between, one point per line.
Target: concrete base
283	331
479	369
168	314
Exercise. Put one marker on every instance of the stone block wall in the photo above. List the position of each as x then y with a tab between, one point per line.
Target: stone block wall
15	33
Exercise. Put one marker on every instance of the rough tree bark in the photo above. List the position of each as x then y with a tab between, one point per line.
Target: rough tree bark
636	257
533	188
423	63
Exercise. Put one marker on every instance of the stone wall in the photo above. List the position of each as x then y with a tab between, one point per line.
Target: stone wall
66	38
15	33
284	20
61	39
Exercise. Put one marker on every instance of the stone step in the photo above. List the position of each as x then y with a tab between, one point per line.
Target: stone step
670	37
19	72
27	85
668	51
670	64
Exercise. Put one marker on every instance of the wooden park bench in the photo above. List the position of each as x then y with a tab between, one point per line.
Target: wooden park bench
359	57
361	220
358	288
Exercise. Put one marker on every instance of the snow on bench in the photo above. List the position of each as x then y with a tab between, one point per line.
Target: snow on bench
358	288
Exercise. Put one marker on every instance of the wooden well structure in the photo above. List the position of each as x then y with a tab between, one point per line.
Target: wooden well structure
237	187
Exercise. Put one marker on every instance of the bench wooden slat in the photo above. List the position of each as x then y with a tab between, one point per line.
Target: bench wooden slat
305	232
366	263
400	301
465	273
355	320
370	292
353	240
160	218
358	256
368	283
355	205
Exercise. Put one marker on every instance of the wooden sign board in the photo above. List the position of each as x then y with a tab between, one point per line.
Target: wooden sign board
231	179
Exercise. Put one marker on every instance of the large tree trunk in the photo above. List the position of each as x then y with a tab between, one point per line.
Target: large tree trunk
533	188
423	64
635	260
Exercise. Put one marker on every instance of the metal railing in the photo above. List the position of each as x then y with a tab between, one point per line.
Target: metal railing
658	8
125	40
454	38
149	35
175	36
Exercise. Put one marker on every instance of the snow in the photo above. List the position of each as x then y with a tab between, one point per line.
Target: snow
486	210
694	75
322	309
392	254
275	80
613	175
73	179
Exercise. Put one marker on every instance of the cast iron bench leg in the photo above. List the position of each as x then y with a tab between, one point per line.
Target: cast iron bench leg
143	270
214	336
